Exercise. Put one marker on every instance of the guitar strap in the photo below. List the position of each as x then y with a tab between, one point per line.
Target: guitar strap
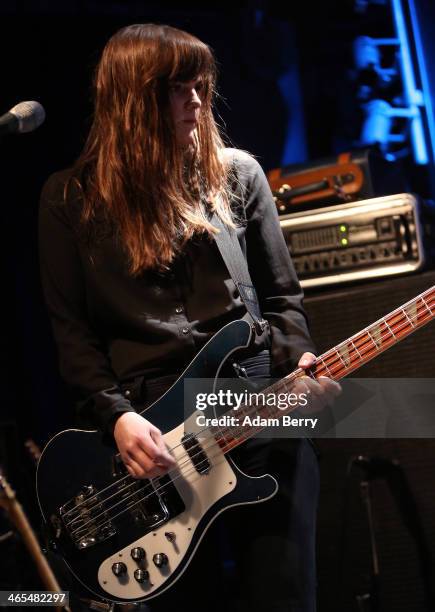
231	251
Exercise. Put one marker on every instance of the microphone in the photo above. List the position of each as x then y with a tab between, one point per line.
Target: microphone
24	117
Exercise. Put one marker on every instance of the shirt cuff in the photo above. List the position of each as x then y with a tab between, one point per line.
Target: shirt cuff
102	409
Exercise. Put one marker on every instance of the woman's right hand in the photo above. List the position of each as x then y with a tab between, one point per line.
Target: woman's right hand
141	446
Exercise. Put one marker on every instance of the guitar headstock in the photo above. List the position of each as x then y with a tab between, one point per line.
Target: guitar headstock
33	449
7	494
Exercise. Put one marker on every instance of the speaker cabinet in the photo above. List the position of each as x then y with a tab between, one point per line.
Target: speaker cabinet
405	554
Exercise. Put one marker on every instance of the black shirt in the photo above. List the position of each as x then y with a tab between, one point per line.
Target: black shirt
111	327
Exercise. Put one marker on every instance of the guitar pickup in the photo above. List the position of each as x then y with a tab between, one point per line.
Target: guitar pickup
196	453
118	466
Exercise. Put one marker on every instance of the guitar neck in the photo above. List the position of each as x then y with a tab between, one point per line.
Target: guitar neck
341	360
370	342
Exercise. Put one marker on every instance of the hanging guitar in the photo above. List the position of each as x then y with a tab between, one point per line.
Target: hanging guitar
130	540
9	502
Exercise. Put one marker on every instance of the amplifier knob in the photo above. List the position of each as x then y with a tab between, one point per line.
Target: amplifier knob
137	553
160	559
141	575
119	569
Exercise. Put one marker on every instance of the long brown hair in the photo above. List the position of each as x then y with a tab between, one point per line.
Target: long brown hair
131	170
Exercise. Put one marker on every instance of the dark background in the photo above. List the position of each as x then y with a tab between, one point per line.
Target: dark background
48	54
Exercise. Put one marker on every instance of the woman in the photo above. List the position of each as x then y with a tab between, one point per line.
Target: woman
135	285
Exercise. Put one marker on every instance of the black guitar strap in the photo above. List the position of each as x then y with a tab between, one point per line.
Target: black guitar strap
231	251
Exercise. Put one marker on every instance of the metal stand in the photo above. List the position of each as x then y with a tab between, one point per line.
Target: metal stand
369	602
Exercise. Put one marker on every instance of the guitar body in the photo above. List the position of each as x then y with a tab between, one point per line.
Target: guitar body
97	514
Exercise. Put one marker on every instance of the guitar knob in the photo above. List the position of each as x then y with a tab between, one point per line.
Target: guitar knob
141	575
119	569
160	559
137	553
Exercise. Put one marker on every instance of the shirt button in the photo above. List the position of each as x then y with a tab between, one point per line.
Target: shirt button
179	309
185	330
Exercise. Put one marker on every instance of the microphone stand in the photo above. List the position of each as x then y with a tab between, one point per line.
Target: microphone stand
392	472
369	602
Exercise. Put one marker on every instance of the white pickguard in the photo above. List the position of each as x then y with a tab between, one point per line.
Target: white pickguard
199	492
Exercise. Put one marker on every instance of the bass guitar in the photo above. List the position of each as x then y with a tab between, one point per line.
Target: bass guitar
129	540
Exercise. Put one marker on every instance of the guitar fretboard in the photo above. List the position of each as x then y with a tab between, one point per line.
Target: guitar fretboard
367	344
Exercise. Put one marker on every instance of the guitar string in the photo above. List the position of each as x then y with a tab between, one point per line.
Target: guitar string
192	471
398	311
332	352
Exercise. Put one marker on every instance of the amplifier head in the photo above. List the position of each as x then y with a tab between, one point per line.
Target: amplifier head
359	240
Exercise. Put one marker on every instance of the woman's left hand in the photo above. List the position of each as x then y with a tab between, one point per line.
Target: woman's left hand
320	391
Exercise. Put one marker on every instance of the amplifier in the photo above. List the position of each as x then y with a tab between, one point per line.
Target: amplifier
349	176
359	240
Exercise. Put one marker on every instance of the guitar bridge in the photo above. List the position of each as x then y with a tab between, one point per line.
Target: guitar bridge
85	519
150	510
89	517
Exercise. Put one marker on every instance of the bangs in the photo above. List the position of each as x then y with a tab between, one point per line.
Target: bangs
194	63
190	58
